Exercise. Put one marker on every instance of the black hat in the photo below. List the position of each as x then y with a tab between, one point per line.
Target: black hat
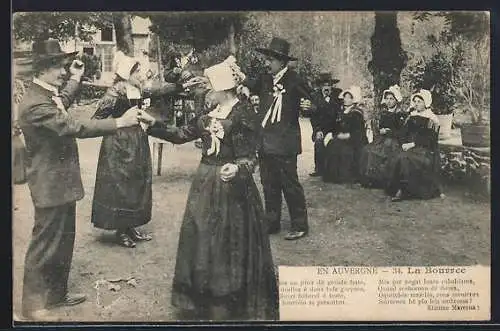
326	77
278	48
48	50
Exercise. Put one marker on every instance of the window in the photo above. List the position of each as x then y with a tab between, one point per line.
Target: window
107	58
107	34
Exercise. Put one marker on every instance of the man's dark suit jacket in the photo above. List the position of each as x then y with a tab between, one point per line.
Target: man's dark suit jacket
281	138
324	118
53	167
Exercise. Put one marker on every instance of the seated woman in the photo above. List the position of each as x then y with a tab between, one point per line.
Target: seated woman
376	157
415	172
224	268
343	149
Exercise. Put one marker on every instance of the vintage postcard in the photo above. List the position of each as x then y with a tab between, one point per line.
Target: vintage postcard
251	166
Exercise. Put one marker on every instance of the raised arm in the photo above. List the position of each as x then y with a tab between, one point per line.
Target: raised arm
176	135
69	92
47	115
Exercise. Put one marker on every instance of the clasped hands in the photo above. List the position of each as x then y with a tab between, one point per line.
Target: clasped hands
228	172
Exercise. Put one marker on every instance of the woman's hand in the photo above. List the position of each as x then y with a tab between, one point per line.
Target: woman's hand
228	172
198	80
407	146
385	130
144	117
343	136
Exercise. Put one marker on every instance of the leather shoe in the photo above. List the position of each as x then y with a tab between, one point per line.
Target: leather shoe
294	235
70	300
315	174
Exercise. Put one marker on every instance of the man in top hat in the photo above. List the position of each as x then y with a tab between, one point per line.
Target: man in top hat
282	93
324	118
53	173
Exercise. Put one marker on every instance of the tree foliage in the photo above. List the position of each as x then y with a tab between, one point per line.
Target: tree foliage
388	56
460	63
206	28
30	26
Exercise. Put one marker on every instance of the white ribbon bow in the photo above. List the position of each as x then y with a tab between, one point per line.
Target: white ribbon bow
215	144
274	112
328	138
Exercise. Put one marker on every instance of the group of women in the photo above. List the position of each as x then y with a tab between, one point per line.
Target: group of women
224	268
404	156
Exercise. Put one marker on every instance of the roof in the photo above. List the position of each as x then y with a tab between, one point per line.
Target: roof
140	25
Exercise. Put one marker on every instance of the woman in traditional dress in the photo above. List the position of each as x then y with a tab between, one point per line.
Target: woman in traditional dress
224	268
122	195
343	149
377	156
415	173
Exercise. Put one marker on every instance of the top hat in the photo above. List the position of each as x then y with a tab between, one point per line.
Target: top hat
326	78
48	50
278	48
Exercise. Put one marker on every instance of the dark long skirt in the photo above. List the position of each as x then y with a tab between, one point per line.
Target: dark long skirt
224	256
376	159
416	173
123	194
341	162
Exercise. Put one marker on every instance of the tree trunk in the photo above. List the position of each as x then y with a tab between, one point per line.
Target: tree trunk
123	29
388	57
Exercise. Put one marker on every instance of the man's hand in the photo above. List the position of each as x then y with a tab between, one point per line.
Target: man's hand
305	104
177	70
144	117
76	70
319	136
344	135
130	118
228	172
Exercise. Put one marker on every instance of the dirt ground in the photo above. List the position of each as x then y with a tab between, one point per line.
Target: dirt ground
349	226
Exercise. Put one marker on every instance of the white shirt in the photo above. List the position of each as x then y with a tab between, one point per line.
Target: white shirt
185	59
279	75
46	86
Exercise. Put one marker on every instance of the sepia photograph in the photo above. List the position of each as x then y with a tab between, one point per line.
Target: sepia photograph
250	166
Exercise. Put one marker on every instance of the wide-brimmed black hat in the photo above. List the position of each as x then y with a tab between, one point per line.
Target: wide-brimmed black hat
278	48
326	77
48	50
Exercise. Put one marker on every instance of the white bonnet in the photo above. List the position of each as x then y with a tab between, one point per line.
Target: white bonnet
425	95
355	91
395	91
123	65
225	75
